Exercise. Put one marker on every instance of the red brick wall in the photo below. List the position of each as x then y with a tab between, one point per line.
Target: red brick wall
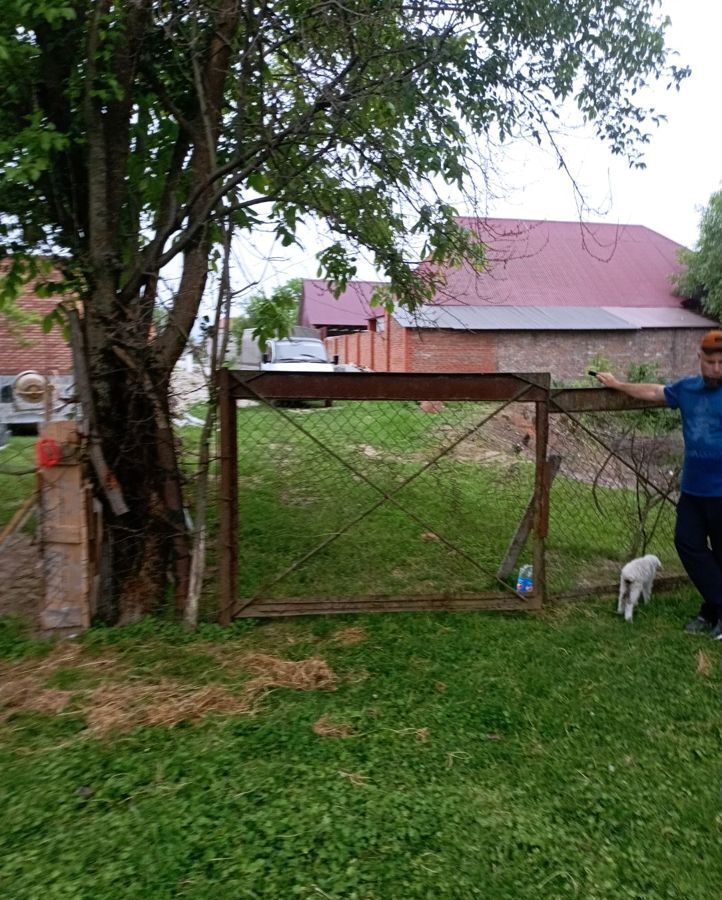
452	351
399	340
27	347
363	348
567	355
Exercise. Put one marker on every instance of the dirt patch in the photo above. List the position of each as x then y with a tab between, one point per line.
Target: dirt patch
510	436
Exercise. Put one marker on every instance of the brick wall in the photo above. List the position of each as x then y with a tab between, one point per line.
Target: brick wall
452	351
27	347
567	355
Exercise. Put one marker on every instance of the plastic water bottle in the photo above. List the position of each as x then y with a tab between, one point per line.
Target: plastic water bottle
525	580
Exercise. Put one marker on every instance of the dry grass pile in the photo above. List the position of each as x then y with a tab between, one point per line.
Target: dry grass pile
324	727
25	692
349	636
120	707
312	674
22	685
120	704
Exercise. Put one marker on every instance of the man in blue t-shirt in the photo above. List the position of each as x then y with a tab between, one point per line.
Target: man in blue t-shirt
698	532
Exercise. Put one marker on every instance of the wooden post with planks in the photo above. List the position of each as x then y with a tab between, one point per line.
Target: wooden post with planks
70	530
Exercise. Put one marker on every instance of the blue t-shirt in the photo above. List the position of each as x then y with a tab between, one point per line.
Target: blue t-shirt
701	409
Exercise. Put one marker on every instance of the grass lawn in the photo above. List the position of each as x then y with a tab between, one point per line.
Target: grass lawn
16	483
557	755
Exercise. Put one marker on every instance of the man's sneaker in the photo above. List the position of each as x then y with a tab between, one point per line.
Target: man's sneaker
699	626
716	633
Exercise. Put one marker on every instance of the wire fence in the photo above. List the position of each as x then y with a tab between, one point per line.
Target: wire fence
408	499
20	565
415	499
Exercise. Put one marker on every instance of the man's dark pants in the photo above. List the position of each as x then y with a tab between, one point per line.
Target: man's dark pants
698	539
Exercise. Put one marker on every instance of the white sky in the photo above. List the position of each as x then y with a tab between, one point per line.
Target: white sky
684	164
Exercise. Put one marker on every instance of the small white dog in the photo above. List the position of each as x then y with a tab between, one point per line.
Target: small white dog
636	580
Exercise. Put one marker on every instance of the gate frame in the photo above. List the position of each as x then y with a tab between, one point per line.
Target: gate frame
518	387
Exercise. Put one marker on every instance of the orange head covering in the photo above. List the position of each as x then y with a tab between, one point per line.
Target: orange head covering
712	341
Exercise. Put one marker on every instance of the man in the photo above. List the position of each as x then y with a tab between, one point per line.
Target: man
698	532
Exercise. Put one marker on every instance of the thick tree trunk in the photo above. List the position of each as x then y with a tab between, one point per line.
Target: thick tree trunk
147	547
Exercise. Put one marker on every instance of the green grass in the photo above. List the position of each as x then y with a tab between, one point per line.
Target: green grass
502	757
15	458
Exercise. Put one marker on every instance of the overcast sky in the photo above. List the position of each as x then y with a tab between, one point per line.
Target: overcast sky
684	159
684	164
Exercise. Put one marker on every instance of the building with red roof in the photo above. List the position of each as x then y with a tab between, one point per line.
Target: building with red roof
555	296
348	313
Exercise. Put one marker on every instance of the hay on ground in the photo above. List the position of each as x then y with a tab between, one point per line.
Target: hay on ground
349	636
310	674
120	705
324	727
26	694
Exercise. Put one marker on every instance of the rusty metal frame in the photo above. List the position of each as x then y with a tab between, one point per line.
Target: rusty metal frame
234	385
494	387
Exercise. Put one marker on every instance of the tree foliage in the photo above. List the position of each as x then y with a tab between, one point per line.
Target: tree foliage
270	316
702	279
130	130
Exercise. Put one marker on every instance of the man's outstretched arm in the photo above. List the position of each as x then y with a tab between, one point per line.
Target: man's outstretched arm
653	392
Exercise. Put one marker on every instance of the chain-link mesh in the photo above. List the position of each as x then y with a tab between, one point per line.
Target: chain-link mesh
378	498
407	499
20	573
614	496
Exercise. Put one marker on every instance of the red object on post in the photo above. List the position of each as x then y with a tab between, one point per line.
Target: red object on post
47	452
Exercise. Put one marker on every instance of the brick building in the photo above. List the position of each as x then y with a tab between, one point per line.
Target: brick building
555	296
45	358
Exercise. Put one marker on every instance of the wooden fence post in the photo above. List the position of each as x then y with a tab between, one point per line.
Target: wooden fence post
228	539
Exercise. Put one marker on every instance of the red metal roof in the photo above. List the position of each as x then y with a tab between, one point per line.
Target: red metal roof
534	263
319	307
539	263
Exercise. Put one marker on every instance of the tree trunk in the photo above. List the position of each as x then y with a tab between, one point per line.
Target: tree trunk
147	546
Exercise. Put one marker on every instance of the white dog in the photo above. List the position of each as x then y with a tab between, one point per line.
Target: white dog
636	579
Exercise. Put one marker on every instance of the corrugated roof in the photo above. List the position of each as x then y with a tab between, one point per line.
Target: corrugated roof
538	264
654	317
513	318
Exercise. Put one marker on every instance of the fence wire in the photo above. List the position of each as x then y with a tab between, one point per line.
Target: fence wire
615	495
20	568
457	478
377	498
402	499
